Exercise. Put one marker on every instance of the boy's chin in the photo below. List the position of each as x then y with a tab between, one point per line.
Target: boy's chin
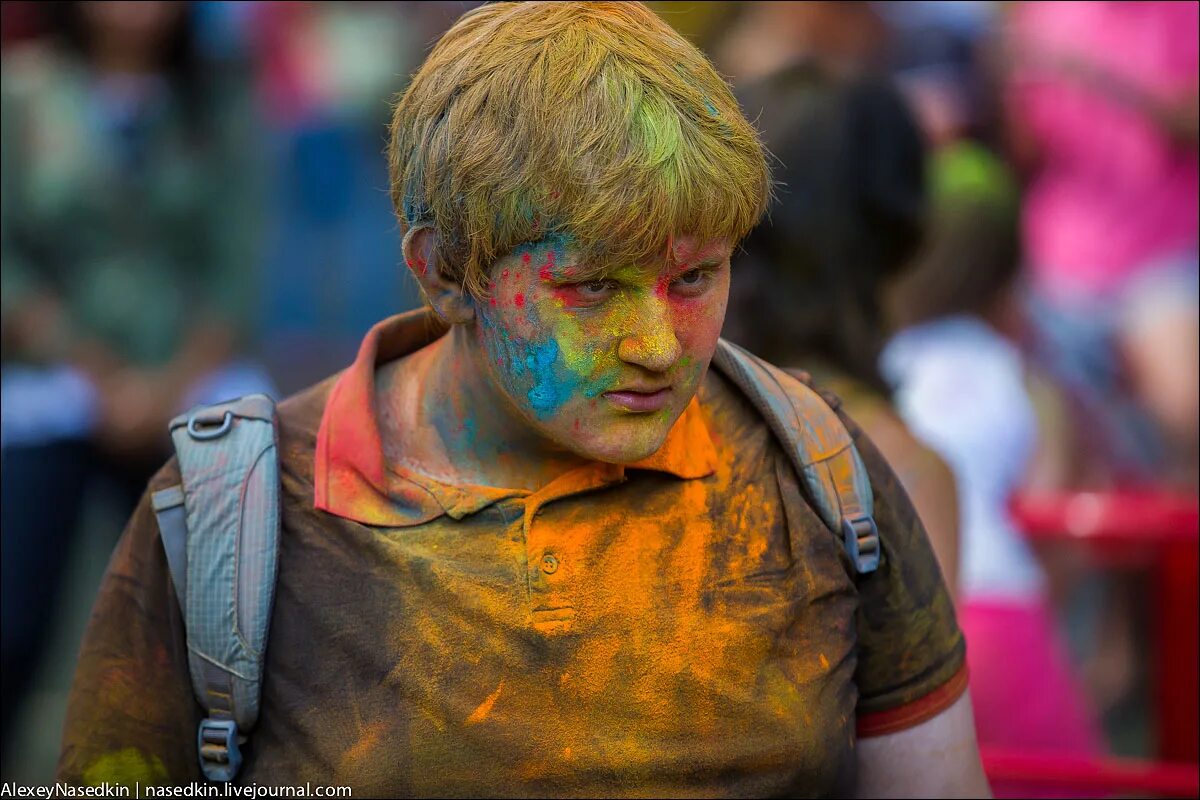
621	446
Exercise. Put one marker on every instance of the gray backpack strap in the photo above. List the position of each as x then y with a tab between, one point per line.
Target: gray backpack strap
172	528
819	445
220	530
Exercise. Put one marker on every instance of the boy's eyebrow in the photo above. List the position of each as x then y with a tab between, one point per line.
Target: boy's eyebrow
707	263
575	272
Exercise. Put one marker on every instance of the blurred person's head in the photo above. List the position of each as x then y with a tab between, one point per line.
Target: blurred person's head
124	36
849	215
971	256
137	27
939	98
136	46
844	38
570	180
941	56
132	41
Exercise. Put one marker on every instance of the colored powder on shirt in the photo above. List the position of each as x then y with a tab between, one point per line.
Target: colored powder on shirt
483	709
125	767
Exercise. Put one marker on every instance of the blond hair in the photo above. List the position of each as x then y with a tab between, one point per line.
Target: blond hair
593	122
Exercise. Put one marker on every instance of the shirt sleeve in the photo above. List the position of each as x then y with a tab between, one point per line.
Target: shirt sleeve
131	714
911	653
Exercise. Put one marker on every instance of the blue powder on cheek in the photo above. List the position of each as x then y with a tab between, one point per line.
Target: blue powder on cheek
552	387
537	369
513	357
522	363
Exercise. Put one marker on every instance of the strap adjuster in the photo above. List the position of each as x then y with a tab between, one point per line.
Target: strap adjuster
217	742
861	539
202	425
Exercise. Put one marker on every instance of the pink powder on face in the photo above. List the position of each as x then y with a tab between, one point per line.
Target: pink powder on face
519	300
547	272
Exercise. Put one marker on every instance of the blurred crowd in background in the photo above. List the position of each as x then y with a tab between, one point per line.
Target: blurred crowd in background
984	241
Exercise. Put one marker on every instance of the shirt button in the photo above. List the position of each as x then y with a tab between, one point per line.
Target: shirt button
549	564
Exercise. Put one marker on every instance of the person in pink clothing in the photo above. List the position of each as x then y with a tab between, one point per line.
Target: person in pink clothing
1102	98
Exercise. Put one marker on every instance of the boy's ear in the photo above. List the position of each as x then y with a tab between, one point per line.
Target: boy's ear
447	297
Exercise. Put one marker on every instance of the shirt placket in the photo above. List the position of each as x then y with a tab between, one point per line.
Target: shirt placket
552	576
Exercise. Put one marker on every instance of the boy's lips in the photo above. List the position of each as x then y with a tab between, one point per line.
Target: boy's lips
640	400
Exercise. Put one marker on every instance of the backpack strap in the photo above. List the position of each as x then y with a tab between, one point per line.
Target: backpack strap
819	446
220	530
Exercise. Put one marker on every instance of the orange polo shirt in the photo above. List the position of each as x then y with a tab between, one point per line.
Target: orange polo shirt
678	627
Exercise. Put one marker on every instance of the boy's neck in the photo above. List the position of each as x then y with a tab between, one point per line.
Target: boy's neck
441	415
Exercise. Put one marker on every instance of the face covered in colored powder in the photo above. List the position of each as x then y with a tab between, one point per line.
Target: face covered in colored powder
602	366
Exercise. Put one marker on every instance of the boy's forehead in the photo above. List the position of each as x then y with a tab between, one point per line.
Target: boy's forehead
687	249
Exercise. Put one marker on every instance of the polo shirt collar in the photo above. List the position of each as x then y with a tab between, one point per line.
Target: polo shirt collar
351	478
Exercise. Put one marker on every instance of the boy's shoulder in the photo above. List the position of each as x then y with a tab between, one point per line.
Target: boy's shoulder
299	417
729	404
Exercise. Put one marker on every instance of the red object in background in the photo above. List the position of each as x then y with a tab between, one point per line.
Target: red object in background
1161	531
1178	691
1124	776
1142	518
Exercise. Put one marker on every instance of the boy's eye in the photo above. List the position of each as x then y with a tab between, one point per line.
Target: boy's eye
692	282
595	290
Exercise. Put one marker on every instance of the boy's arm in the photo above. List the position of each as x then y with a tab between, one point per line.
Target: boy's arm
131	715
916	733
938	758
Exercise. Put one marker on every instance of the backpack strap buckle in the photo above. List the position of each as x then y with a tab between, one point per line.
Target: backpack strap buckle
201	426
861	538
220	756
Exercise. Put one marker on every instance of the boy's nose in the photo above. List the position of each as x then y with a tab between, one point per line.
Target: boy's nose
654	345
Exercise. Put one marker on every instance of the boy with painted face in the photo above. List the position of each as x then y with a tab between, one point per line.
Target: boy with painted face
531	544
554	367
